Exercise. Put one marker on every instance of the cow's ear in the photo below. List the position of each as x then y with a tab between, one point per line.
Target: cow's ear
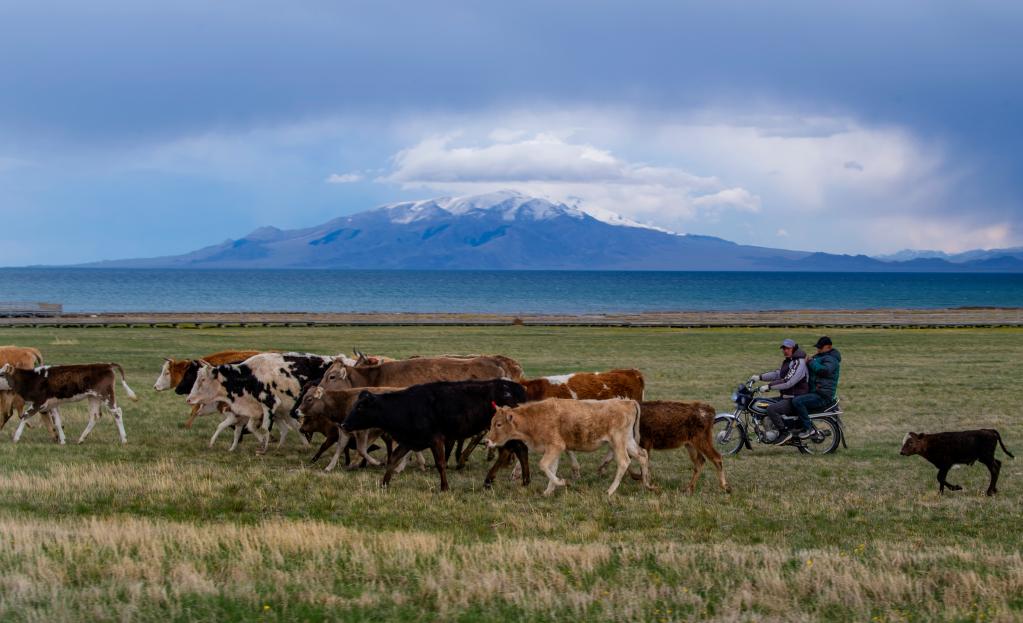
205	364
366	395
7	369
318	392
344	373
168	360
509	416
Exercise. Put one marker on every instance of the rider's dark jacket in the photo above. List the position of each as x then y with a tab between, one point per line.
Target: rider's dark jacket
790	378
824	372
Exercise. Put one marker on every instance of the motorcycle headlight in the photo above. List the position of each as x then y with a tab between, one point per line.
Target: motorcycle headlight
735	397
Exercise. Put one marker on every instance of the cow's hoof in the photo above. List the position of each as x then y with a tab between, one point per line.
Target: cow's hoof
488	484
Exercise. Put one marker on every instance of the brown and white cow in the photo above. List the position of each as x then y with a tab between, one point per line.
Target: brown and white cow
48	387
179	375
23	358
666	425
555	425
623	383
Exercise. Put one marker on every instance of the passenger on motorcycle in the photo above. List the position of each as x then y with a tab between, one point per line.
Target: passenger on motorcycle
824	370
791	380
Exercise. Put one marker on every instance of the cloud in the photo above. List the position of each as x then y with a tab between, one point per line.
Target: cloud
343	178
546	164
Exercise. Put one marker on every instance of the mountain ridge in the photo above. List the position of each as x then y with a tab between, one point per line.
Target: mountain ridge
511	231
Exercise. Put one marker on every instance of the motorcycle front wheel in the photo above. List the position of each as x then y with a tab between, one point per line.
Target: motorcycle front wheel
826	440
729	435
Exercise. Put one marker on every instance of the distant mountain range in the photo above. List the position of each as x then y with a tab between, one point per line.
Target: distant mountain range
507	230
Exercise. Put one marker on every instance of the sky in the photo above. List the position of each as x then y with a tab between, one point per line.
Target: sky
137	129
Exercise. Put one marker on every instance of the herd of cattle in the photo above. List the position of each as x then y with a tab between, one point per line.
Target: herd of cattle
446	404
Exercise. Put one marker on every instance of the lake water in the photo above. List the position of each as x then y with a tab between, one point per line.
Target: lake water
105	290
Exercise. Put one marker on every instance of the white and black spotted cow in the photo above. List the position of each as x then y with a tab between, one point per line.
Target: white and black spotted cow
48	387
259	391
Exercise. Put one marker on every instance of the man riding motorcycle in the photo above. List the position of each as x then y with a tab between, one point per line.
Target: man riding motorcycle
824	370
791	380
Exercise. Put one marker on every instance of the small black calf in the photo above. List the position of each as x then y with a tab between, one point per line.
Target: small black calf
944	450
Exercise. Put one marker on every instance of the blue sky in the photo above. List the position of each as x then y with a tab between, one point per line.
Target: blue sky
134	129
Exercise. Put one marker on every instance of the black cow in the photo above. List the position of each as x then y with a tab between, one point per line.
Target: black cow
944	450
432	415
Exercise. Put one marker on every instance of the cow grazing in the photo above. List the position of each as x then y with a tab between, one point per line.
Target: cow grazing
944	450
323	411
48	387
431	415
258	391
626	383
179	375
23	358
665	425
555	425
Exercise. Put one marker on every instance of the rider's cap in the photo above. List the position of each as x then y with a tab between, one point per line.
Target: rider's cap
824	341
786	343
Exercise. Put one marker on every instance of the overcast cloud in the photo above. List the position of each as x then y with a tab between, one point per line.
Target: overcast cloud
132	129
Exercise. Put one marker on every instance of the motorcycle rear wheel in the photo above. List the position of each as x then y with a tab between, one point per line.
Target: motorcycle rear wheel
729	435
830	436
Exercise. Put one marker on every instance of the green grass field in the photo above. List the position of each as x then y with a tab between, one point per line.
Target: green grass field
165	528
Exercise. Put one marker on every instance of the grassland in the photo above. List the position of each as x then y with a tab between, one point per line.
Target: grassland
166	529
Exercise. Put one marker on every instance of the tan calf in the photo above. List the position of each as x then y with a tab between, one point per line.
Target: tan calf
555	425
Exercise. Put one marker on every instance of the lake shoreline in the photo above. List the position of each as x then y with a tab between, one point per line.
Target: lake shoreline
947	317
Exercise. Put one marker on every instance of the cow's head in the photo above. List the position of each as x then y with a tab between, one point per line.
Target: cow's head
5	377
311	413
510	393
365	414
166	381
208	387
912	444
337	376
503	426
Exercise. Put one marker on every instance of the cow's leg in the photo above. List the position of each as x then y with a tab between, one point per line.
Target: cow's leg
942	483
229	419
239	431
191	416
549	465
94	406
53	415
607	459
421	460
504	457
342	445
697	460
577	471
438	448
396	457
521	451
475	441
362	447
994	466
332	437
705	446
24	422
620	446
118	417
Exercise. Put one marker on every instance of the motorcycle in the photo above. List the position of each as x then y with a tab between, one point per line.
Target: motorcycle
733	431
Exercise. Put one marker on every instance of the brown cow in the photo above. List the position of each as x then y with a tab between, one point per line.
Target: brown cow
23	358
555	425
48	387
665	425
408	372
179	374
323	410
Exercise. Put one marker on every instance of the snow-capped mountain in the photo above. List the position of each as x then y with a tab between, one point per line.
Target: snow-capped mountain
507	230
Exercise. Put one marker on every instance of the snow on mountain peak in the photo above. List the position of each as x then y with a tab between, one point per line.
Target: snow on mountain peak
511	204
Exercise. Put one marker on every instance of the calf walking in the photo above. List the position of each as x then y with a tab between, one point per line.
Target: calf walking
944	450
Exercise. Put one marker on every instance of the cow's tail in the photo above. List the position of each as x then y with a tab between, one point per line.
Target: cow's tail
124	383
635	424
1004	449
38	355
